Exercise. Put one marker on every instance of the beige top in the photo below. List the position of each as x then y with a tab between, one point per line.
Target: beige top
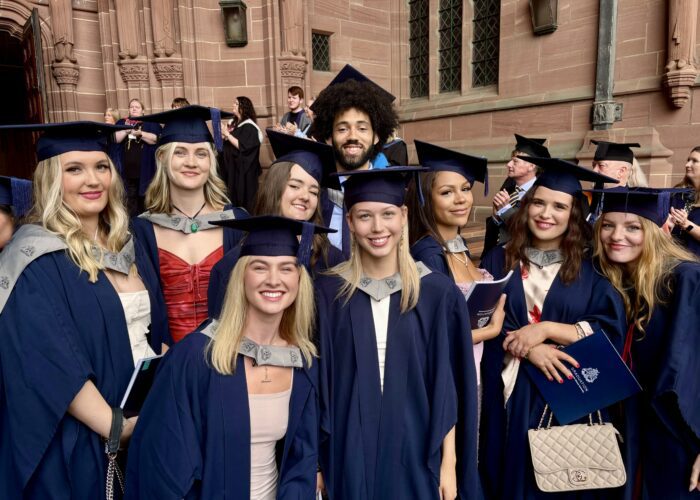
269	414
137	313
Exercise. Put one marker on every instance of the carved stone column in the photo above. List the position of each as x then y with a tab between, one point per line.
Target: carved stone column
133	67
167	65
64	67
681	70
292	27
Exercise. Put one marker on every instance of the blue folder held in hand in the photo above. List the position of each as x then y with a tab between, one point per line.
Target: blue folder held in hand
602	379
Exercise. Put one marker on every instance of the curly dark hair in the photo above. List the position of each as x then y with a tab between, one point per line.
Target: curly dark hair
366	97
573	245
246	109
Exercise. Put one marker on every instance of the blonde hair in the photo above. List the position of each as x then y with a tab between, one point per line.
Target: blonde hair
296	326
158	192
51	212
114	113
650	278
408	271
636	177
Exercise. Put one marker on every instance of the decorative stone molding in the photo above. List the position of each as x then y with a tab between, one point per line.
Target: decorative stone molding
127	12
66	73
292	70
163	28
292	25
681	70
62	24
168	70
133	70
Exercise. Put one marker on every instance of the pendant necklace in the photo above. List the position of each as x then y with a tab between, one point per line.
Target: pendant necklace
194	226
463	262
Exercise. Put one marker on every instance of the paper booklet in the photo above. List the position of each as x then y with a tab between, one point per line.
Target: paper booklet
602	379
482	298
139	385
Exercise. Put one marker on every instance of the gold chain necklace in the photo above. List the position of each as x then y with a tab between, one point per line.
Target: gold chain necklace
464	262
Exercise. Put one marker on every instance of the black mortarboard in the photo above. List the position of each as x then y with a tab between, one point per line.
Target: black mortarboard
614	151
316	158
59	138
189	125
350	73
531	147
650	203
439	159
564	176
273	236
16	193
386	185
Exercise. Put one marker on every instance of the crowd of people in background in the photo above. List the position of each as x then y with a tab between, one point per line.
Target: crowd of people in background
313	317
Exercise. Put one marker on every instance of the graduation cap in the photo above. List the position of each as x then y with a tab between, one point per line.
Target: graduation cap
564	176
386	185
59	138
531	146
273	236
614	151
189	124
316	158
350	73
650	203
16	193
439	159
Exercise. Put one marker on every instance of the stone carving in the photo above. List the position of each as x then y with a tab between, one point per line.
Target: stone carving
163	29
62	25
681	69
65	73
293	68
134	70
292	24
168	69
128	29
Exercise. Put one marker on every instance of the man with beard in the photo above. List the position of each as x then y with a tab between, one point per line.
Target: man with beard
358	117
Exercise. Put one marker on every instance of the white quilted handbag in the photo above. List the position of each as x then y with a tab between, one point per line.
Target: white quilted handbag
576	457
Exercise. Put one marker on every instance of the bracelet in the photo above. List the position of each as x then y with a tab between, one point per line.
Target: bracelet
579	331
115	432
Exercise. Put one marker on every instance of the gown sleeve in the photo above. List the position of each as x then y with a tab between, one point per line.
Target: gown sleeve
43	362
165	454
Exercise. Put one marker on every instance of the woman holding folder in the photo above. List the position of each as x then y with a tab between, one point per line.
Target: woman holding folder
79	303
437	214
233	412
660	284
555	297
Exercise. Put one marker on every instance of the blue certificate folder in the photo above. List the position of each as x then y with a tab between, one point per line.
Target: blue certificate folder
602	380
482	299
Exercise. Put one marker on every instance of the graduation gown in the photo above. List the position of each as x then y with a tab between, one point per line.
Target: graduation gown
148	155
241	165
662	423
327	213
505	462
378	445
146	235
430	252
221	273
192	439
58	331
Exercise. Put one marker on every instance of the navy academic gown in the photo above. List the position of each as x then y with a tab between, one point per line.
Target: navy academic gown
386	445
504	455
59	331
662	424
146	235
327	213
221	273
148	155
192	439
430	252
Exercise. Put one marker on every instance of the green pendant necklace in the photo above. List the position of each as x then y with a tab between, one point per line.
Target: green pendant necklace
194	225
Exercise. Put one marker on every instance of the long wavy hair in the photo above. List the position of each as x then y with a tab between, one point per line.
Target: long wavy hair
651	278
408	271
296	326
573	245
246	110
267	202
158	192
52	213
687	183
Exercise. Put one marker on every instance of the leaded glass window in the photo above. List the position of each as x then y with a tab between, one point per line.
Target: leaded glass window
321	51
418	47
450	51
487	16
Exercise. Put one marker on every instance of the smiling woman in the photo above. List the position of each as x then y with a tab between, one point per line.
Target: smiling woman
186	195
77	300
256	367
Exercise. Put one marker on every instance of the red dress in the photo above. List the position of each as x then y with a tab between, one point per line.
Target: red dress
185	290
